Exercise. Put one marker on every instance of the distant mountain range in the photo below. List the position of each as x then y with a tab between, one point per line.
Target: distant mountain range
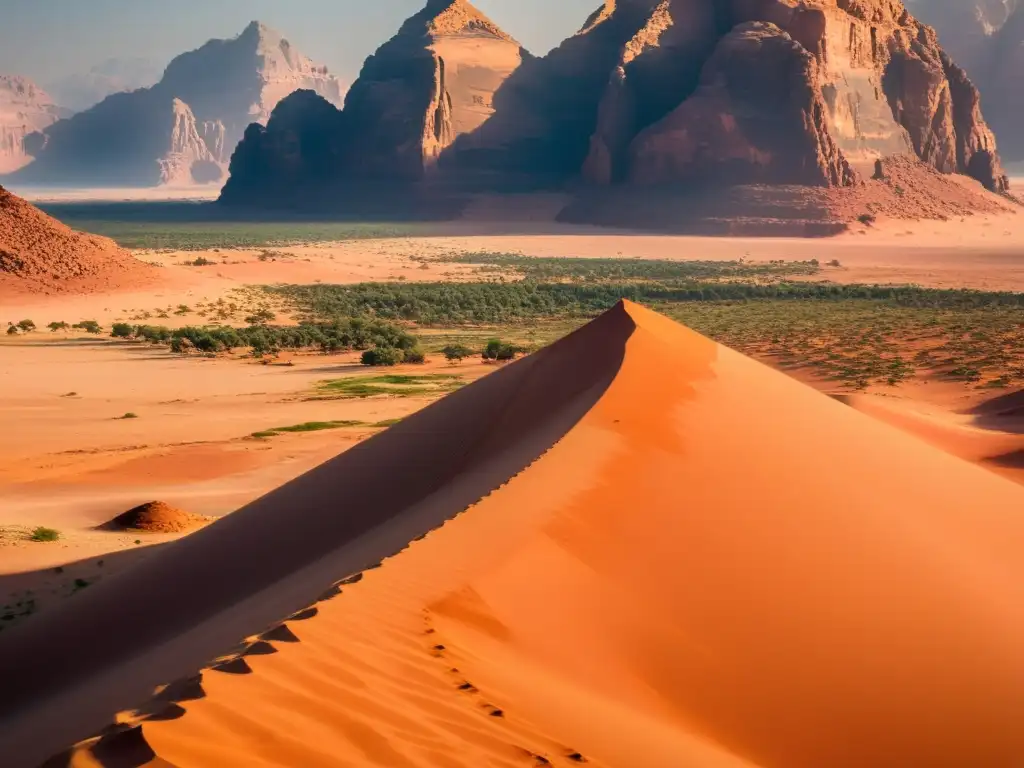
182	129
79	91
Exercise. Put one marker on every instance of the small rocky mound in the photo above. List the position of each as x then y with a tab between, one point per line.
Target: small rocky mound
39	253
156	517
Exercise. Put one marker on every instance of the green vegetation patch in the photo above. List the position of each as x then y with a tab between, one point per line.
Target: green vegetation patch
561	269
394	385
309	426
457	304
42	534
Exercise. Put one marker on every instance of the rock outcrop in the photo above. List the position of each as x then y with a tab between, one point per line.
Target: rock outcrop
649	93
986	37
183	129
38	253
25	108
433	82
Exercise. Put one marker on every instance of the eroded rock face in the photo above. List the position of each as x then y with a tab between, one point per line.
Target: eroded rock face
876	84
431	83
756	117
653	92
191	119
986	38
24	109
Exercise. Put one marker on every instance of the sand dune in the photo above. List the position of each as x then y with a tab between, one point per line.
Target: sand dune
672	556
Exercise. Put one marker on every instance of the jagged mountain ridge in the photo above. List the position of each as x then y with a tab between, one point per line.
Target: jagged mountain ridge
647	93
145	137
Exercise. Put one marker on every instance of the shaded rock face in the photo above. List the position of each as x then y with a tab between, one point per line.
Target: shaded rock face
431	83
986	37
183	129
664	92
756	117
25	108
688	93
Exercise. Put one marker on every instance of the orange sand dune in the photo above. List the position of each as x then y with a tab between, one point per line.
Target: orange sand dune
674	556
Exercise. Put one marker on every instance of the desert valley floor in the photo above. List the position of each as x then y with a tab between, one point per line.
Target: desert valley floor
98	425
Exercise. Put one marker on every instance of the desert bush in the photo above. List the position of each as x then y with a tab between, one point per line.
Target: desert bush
43	534
122	331
456	353
61	326
501	351
27	326
12	330
383	356
89	326
415	356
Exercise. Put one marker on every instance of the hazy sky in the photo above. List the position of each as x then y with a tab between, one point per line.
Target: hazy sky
46	39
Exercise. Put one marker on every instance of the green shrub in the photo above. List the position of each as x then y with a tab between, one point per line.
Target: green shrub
501	351
415	356
382	356
27	326
456	353
122	331
12	330
42	534
89	326
61	326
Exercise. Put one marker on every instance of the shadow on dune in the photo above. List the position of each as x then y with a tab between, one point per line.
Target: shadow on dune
398	485
1004	413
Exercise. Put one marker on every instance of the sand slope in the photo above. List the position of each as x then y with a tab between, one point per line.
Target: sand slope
704	563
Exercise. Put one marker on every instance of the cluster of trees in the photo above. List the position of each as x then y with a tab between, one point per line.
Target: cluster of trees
342	334
451	304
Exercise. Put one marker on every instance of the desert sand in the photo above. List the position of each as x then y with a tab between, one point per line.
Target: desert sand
655	569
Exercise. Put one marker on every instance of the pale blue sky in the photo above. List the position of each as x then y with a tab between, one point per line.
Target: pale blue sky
46	39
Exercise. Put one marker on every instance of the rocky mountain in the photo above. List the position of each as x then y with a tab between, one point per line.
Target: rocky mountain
24	109
183	129
649	93
433	82
987	38
81	90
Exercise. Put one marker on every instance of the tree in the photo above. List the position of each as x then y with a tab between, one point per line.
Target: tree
501	351
383	356
61	326
27	326
89	326
456	353
122	331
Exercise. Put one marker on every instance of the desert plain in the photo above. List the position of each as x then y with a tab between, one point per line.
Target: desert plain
73	460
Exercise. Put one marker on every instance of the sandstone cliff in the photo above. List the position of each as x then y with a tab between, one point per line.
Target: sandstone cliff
815	91
184	128
24	109
429	84
986	37
666	93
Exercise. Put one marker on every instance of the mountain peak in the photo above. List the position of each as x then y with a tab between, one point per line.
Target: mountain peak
453	17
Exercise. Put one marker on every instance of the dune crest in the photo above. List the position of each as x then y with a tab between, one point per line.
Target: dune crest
672	555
